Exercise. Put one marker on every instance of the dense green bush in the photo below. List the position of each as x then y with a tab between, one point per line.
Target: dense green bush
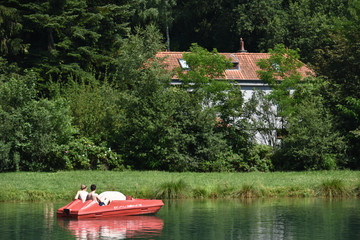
165	129
95	108
44	126
257	159
30	130
84	154
311	143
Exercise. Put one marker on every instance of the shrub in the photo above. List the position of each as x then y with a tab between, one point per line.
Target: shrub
312	142
224	162
31	130
260	158
84	154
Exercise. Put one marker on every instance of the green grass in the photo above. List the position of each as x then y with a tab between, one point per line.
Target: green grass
334	188
39	186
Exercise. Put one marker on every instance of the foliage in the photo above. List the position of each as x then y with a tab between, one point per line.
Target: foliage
312	142
167	131
339	62
171	128
217	96
205	68
84	154
94	107
133	54
31	130
224	162
154	12
260	23
280	71
258	158
207	22
71	37
10	42
87	67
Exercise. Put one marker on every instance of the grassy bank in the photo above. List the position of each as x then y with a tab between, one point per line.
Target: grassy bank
30	186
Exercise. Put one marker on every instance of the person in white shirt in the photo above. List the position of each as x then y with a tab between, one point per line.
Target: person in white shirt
82	194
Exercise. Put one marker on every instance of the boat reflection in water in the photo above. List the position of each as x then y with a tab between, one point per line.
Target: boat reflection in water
114	227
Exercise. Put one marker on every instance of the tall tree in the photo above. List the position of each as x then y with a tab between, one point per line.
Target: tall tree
156	12
11	43
340	63
69	37
260	22
208	23
312	142
307	23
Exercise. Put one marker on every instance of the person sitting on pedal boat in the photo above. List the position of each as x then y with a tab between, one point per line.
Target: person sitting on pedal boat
82	193
95	197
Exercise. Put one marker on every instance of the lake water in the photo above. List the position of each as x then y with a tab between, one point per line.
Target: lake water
193	219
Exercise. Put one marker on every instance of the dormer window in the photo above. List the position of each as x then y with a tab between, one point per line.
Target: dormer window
183	64
235	66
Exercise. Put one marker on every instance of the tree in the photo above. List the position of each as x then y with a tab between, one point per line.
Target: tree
280	71
95	109
311	142
208	23
176	128
260	22
205	70
133	54
154	12
205	79
339	62
31	131
11	43
70	37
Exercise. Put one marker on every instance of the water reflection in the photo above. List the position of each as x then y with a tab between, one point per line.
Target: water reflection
114	228
49	214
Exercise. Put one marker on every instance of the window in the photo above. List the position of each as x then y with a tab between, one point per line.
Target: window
235	66
183	64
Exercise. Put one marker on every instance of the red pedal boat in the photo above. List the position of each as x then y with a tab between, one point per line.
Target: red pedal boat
128	207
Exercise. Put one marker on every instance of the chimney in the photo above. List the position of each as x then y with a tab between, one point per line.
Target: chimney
242	49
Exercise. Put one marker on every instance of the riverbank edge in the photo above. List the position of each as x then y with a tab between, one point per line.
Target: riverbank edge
62	186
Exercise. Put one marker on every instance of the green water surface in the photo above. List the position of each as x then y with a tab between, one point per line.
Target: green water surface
193	219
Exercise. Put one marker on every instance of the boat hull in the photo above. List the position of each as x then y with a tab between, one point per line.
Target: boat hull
91	209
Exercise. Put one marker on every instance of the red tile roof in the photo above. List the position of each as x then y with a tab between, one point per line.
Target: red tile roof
247	64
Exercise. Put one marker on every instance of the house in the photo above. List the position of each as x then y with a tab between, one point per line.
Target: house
243	73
